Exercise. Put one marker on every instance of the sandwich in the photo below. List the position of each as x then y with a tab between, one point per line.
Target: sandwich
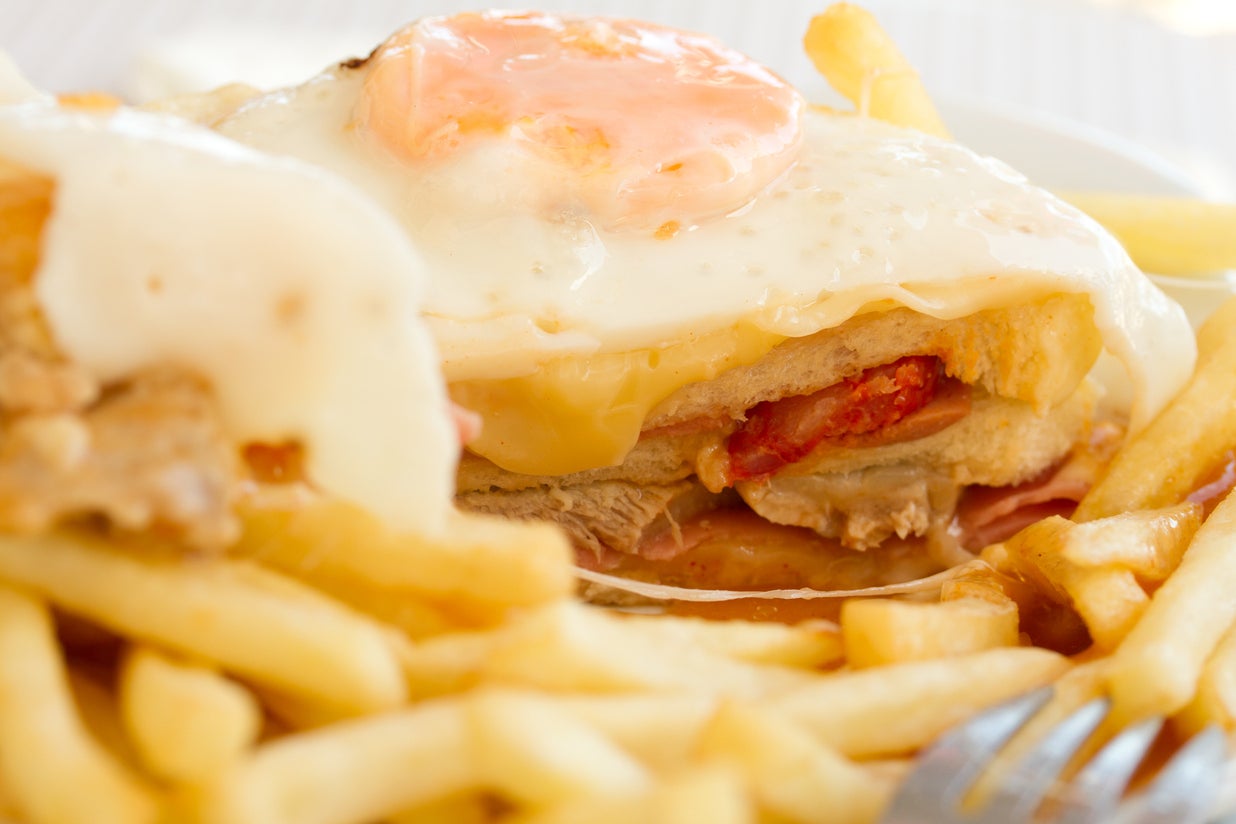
722	337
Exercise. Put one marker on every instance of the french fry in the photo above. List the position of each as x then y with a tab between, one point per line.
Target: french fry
897	709
809	644
294	712
412	614
711	794
348	773
187	722
1166	235
1161	464
880	631
50	767
536	754
1148	543
860	61
659	730
1098	567
1108	599
571	647
791	774
1215	699
245	619
1157	667
482	561
449	663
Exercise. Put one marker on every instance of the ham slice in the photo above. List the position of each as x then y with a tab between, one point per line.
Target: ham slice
986	514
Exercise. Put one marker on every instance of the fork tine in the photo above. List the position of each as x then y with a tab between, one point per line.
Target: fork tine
1023	788
1186	786
1095	791
933	789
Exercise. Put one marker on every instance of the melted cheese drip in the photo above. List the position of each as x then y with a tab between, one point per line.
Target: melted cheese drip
291	293
576	413
869	216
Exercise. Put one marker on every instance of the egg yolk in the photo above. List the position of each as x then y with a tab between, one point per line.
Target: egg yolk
649	124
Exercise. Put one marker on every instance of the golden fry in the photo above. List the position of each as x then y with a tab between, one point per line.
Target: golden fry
809	644
534	753
1161	464
52	769
1157	668
187	722
1215	699
485	562
861	61
572	647
659	729
1109	599
1148	543
711	794
880	631
1166	235
896	709
790	773
347	773
247	620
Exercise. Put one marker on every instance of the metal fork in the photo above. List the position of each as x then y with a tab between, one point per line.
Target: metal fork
1185	789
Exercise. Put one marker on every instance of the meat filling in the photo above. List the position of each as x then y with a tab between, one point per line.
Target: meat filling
782	432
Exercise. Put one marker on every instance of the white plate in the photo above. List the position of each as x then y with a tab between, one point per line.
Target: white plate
1059	153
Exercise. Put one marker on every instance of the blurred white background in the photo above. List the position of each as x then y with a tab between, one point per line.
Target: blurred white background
1159	74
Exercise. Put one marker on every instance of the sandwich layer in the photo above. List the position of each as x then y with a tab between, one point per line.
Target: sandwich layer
1016	404
904	489
1036	354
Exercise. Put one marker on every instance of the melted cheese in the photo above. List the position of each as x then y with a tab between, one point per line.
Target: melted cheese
577	413
539	306
290	292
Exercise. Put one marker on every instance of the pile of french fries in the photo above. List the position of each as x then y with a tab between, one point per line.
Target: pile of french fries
328	671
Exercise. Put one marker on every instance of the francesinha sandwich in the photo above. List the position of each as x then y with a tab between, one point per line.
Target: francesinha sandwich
693	309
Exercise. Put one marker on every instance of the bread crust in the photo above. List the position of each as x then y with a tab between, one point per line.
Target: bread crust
1036	352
